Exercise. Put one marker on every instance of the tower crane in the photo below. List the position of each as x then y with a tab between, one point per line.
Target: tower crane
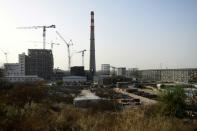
70	43
53	44
44	31
6	56
82	52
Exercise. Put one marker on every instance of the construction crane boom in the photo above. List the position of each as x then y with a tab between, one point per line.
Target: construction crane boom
52	43
82	52
70	43
44	31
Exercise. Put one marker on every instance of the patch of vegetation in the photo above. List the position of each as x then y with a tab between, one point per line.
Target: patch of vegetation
29	107
172	102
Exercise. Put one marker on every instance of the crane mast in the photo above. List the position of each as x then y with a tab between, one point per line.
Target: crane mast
44	31
82	52
68	44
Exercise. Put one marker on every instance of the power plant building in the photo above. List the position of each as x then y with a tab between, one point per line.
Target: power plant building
77	71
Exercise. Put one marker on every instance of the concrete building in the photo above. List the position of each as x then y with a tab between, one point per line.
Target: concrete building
37	65
12	69
150	75
121	71
14	72
39	62
169	75
105	69
22	60
58	74
132	73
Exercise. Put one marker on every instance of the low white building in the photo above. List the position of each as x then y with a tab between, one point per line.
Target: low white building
15	72
28	78
12	69
75	79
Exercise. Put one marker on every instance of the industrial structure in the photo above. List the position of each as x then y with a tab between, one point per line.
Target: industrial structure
77	71
92	49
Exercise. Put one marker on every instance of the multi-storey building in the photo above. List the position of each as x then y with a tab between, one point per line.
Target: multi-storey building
105	69
34	66
39	62
121	71
169	75
132	73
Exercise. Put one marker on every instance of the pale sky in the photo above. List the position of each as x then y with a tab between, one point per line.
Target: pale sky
128	33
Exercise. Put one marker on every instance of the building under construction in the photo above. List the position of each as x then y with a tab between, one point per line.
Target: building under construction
39	62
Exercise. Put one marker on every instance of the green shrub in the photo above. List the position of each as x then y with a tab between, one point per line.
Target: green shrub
172	102
59	83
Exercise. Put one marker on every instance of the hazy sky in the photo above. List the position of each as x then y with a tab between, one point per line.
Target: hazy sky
128	33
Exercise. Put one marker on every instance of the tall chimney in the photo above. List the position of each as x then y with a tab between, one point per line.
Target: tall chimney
92	48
